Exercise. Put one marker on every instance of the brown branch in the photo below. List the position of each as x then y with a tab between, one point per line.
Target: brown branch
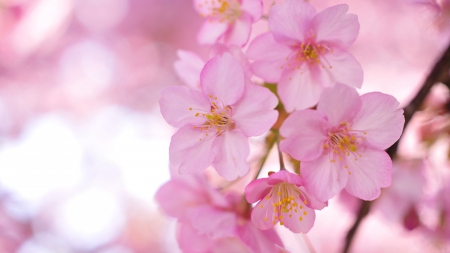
439	73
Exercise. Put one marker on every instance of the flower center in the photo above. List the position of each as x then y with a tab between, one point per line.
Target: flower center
287	200
218	119
221	10
308	53
343	142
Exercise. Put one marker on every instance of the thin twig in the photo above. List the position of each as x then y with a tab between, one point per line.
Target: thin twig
280	156
439	73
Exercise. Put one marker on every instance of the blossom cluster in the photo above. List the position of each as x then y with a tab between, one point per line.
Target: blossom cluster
316	115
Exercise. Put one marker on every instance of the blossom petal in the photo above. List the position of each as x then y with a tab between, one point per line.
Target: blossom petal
188	192
190	154
311	201
322	178
285	176
261	241
340	103
253	7
179	106
299	90
301	221
342	67
213	222
305	133
289	22
223	77
369	173
232	150
239	31
262	215
380	120
188	68
211	31
335	27
190	241
254	113
269	56
257	189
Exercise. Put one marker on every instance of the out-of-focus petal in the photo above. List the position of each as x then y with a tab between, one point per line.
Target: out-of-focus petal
188	68
269	57
179	105
305	133
340	103
261	241
379	119
289	22
334	27
214	222
253	7
191	150
369	173
232	150
239	31
223	77
191	242
254	113
211	31
322	178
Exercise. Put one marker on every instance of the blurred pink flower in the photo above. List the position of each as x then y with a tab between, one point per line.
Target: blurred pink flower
227	20
341	144
215	123
189	65
282	198
306	52
210	221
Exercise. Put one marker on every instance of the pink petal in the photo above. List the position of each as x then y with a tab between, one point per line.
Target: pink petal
257	189
340	103
261	241
190	154
301	221
289	22
344	69
179	106
263	214
285	176
239	31
322	178
253	7
237	53
305	133
187	191
190	241
334	27
213	222
232	150
369	173
299	90
223	77
211	31
188	68
254	113
269	56
380	119
312	202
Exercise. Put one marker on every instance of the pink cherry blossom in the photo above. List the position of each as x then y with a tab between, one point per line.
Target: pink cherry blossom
305	52
189	65
215	123
227	20
341	144
210	221
282	198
